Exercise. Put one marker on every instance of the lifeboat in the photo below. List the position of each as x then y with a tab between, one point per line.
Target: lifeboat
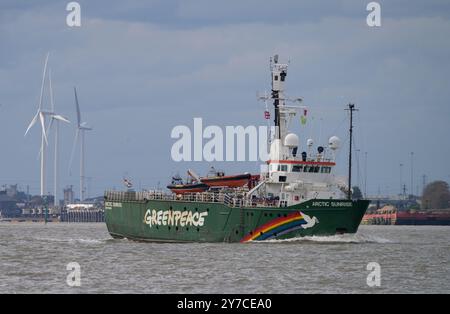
179	187
188	188
219	179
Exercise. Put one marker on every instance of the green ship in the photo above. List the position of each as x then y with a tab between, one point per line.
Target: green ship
296	195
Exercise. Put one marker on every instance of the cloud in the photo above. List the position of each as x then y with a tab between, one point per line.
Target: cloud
142	69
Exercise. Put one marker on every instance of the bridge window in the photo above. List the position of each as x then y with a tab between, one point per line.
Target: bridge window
282	179
297	168
282	168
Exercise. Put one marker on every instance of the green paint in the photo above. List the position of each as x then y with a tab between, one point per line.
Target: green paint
182	221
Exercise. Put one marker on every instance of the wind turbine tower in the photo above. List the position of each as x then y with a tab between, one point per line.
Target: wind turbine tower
81	128
56	118
40	115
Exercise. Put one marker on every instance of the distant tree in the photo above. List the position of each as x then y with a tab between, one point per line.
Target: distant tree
436	195
356	195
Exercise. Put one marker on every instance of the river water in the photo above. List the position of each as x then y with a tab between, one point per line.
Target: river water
34	257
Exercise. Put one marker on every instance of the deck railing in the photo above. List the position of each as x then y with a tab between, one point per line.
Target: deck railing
232	200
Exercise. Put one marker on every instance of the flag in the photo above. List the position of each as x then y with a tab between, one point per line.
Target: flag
303	120
267	115
127	183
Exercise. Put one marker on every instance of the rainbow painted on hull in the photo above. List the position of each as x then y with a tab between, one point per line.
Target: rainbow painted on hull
280	226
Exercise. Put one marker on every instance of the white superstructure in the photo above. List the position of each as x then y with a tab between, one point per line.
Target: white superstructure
296	171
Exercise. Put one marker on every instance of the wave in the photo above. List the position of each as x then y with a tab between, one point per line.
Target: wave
341	238
72	241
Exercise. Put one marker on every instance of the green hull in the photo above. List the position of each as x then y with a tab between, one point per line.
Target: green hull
183	221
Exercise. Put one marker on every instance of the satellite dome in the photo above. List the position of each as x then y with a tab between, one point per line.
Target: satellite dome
310	142
291	140
334	142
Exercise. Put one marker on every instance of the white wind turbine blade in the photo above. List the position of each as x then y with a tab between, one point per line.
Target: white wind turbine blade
52	104
42	118
56	117
73	149
33	121
50	125
85	126
78	107
60	118
43	80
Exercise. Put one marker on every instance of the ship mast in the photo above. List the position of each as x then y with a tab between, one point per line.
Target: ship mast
279	72
351	108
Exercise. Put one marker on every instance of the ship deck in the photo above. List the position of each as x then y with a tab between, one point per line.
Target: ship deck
235	199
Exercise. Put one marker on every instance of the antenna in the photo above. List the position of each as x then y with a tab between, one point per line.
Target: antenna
351	109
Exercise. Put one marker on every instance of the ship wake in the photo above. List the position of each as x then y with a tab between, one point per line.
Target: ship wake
341	238
74	240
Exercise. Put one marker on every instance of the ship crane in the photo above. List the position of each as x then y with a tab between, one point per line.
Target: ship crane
194	175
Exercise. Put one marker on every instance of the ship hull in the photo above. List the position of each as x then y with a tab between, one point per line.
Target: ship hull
181	221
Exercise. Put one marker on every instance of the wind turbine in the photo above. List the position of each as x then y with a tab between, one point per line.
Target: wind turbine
81	128
40	114
55	117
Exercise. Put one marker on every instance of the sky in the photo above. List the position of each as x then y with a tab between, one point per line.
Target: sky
143	67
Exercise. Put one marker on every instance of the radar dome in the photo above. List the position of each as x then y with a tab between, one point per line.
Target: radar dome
310	142
291	140
334	142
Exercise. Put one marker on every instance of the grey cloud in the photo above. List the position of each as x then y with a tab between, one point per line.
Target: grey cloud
139	75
